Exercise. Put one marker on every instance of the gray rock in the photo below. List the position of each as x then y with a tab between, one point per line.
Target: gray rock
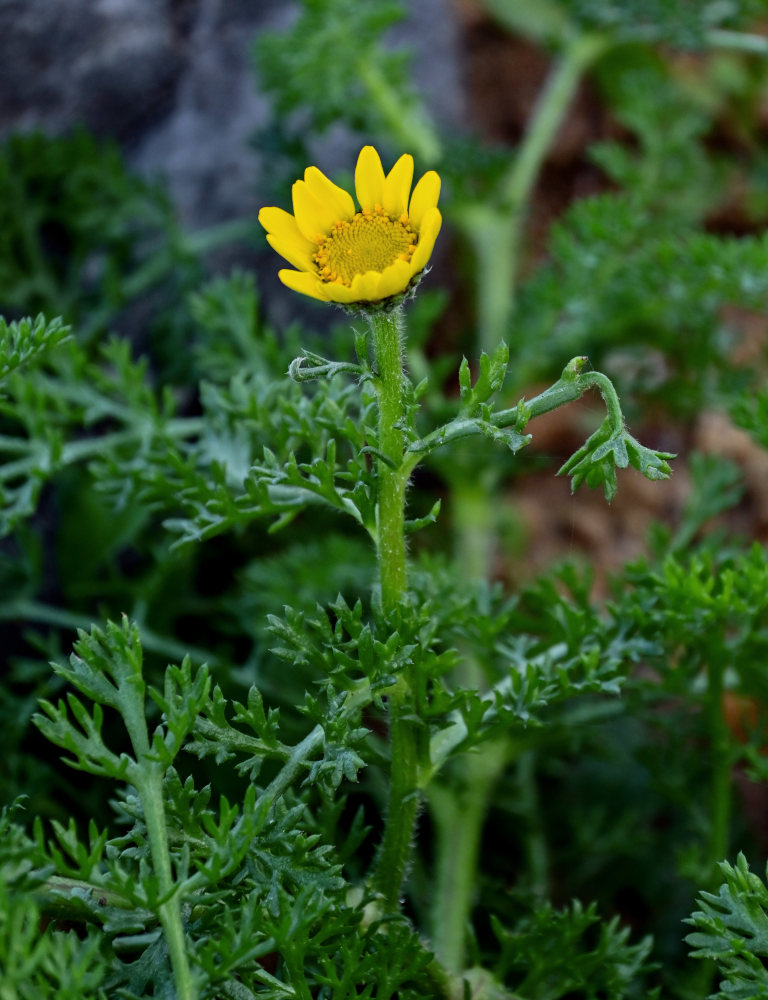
173	82
112	65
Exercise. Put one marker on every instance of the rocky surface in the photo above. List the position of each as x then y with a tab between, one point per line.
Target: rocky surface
173	82
112	64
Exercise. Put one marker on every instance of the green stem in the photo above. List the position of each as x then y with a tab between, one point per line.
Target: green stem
739	41
85	448
475	516
551	108
386	327
408	124
721	767
294	965
459	810
23	609
402	808
151	794
496	231
394	852
548	115
57	892
491	233
720	797
571	385
529	803
146	775
459	818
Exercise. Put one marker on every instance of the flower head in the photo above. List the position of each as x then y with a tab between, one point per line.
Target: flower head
346	255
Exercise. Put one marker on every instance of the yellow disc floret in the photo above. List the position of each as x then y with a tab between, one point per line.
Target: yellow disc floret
371	241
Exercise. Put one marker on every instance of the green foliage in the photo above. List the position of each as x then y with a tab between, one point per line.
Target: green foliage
595	463
608	286
107	668
51	964
81	236
683	25
750	411
633	280
19	342
669	170
544	955
717	486
287	65
260	852
715	603
261	859
611	447
732	929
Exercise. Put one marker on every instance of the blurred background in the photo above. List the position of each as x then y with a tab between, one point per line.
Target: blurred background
175	83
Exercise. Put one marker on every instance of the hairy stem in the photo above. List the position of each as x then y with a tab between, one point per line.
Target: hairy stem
386	327
394	852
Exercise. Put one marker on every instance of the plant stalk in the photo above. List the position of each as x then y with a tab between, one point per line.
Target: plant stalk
721	767
738	41
395	849
151	793
495	231
386	327
147	778
571	385
409	125
535	843
459	818
720	795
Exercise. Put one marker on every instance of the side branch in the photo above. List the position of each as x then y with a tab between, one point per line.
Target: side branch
609	448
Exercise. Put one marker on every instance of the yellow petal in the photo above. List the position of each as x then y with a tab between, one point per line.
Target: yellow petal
339	293
430	227
312	217
281	224
301	281
424	196
297	254
337	199
369	178
397	187
394	279
366	286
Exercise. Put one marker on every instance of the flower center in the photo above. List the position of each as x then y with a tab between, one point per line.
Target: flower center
370	242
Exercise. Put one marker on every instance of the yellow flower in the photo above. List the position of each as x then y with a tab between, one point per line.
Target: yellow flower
349	256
